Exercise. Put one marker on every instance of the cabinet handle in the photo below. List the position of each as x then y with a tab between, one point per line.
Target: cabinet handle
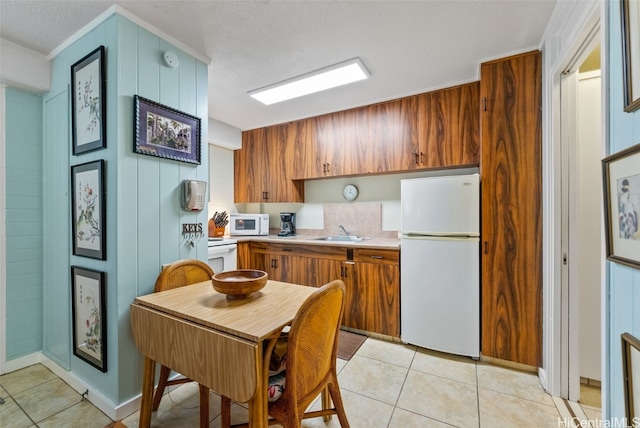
421	157
265	195
377	257
345	272
484	102
417	159
486	247
328	164
287	249
341	271
324	167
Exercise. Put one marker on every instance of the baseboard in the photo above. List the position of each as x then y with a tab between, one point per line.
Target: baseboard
542	376
108	407
509	364
22	362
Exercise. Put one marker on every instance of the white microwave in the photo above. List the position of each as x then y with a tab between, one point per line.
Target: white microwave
248	224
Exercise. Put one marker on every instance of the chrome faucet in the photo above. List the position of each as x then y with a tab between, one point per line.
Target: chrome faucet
343	229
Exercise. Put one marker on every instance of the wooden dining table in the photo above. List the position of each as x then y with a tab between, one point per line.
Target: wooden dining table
215	341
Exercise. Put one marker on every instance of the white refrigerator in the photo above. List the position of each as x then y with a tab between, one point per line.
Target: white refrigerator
439	265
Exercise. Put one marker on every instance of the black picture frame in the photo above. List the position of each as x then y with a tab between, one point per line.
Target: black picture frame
89	319
88	208
621	173
165	132
89	103
630	14
631	376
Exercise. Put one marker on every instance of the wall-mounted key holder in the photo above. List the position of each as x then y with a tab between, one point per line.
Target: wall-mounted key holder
192	232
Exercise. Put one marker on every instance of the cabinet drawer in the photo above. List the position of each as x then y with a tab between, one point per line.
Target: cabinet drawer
373	255
315	251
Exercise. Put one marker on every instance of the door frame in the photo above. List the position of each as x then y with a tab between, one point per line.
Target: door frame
559	374
3	236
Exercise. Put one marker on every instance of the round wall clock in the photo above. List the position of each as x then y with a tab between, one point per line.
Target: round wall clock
350	192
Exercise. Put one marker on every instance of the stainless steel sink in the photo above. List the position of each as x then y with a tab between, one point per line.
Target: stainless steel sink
341	238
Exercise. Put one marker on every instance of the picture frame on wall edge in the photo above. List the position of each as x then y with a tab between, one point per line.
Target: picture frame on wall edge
621	174
631	377
630	11
89	321
88	103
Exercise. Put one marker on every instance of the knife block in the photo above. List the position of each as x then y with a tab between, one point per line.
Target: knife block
215	232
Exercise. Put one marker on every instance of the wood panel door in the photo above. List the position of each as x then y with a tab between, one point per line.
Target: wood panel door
263	167
449	127
393	136
377	296
243	258
511	170
281	148
251	166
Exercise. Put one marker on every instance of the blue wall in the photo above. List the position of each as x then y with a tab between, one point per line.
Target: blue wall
623	314
143	212
23	136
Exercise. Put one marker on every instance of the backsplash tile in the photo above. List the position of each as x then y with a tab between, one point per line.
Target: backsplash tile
362	219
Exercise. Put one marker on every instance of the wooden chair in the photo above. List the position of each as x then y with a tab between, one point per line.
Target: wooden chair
311	362
179	274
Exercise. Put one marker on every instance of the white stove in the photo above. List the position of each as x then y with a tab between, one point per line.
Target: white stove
215	242
222	254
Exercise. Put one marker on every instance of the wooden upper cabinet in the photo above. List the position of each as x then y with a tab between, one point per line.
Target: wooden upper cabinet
264	165
393	136
448	127
433	130
511	230
251	166
339	142
301	137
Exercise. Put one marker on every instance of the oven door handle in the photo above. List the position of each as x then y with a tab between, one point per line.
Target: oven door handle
221	250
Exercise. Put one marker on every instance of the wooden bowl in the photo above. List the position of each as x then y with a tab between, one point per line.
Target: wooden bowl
239	284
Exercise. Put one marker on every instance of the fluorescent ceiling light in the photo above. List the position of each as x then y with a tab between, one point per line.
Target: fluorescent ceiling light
315	81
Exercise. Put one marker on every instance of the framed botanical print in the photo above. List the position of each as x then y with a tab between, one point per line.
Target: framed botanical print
88	103
631	374
630	10
88	222
621	173
89	316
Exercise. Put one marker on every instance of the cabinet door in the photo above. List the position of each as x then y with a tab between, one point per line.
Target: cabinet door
244	256
281	164
263	167
339	137
448	125
511	209
302	138
393	136
251	170
321	271
372	299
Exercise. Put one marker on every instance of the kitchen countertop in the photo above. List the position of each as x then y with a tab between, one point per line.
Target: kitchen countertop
381	243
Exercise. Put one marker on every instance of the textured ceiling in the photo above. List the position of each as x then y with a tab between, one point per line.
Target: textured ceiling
408	46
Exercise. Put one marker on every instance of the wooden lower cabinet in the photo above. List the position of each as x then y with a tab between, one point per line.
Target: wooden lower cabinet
371	277
372	302
243	257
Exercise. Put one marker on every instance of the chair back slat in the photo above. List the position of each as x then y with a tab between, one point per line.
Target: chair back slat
313	340
181	273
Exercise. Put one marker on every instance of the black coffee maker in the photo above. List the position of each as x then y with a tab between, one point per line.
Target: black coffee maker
287	224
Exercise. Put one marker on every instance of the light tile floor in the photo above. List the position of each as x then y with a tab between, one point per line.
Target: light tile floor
386	385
